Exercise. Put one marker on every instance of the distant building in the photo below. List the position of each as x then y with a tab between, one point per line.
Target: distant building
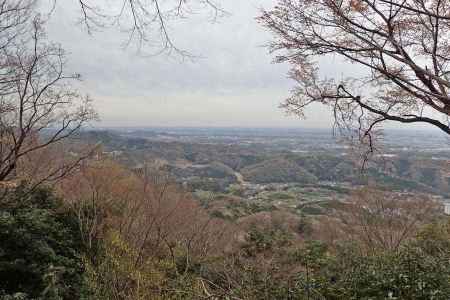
447	208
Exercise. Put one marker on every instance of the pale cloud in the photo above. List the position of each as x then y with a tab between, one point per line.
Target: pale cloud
234	83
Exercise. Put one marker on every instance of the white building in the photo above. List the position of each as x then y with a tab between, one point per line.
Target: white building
447	208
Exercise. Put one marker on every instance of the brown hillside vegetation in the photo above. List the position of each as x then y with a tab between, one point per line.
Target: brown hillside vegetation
181	213
152	230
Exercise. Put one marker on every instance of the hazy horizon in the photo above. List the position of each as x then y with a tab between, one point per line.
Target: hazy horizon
233	82
408	129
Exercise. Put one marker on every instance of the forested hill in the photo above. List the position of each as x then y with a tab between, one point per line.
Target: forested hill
267	160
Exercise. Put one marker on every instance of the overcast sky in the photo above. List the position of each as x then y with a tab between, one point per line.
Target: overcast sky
233	84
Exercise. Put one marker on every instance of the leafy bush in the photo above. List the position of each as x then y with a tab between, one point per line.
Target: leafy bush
40	249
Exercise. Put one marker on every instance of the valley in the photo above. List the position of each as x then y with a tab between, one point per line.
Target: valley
239	172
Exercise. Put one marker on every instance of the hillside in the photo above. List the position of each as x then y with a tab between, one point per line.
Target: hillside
214	165
278	170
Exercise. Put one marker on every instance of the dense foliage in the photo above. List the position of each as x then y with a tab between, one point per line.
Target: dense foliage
272	267
117	235
40	249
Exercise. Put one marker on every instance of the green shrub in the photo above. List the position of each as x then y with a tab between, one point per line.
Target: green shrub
40	249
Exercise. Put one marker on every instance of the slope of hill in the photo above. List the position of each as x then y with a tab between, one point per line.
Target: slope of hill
277	170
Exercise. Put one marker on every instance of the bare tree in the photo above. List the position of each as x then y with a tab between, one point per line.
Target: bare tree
384	220
402	45
39	106
156	220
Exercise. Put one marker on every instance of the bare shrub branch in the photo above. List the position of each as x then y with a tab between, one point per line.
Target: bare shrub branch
384	220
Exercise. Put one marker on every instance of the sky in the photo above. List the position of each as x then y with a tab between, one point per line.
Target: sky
231	83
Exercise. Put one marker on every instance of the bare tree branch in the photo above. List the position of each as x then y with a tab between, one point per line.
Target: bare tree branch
146	21
39	107
403	45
